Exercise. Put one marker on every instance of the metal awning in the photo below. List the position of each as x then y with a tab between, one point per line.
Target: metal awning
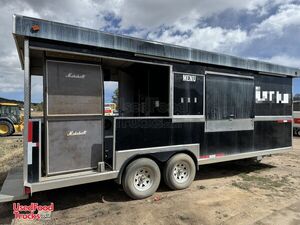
22	27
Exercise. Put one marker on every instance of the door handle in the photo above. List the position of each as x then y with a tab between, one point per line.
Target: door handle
231	116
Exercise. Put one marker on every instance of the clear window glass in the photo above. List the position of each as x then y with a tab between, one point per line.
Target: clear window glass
36	96
111	96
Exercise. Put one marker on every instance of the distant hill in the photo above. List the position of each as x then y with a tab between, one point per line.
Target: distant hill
21	103
35	106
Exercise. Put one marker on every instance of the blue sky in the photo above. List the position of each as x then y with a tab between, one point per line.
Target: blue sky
296	86
266	30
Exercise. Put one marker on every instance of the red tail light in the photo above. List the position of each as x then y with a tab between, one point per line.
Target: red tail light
30	131
27	190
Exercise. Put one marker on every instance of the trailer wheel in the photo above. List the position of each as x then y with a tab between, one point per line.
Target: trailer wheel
179	172
141	178
6	128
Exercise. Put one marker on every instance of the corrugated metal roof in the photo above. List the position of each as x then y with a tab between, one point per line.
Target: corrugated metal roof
79	35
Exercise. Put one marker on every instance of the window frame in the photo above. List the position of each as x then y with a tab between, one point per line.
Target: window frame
202	116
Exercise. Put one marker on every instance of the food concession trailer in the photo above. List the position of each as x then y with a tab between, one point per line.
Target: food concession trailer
178	108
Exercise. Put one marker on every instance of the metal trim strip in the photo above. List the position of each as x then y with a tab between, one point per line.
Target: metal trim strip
161	58
159	148
66	181
27	98
229	125
98	56
123	155
243	155
272	118
188	119
229	75
146	117
73	115
171	92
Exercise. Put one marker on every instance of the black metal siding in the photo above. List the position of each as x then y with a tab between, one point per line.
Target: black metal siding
272	134
283	85
228	142
145	133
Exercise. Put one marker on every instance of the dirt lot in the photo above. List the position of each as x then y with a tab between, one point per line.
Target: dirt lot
227	193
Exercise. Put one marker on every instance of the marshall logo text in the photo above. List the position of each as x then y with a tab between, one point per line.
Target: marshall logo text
75	76
76	133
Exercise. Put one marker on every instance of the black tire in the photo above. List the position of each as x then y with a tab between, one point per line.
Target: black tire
141	178
9	131
179	171
298	132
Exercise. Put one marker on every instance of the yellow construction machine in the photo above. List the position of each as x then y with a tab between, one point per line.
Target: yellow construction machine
11	120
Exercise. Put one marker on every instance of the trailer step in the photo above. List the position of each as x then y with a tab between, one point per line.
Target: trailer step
67	180
13	186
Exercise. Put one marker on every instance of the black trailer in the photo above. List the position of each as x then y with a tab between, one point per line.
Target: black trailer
178	108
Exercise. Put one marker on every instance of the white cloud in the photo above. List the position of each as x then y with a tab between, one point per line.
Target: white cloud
182	24
153	13
207	38
287	15
285	60
84	13
11	78
11	75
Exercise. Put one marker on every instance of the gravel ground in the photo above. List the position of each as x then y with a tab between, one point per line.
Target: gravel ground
225	193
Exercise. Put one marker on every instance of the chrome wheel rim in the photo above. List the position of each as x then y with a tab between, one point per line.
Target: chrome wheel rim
181	172
143	179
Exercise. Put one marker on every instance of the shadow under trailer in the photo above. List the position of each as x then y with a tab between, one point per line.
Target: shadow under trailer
177	108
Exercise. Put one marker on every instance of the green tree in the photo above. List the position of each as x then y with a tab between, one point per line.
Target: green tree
115	97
